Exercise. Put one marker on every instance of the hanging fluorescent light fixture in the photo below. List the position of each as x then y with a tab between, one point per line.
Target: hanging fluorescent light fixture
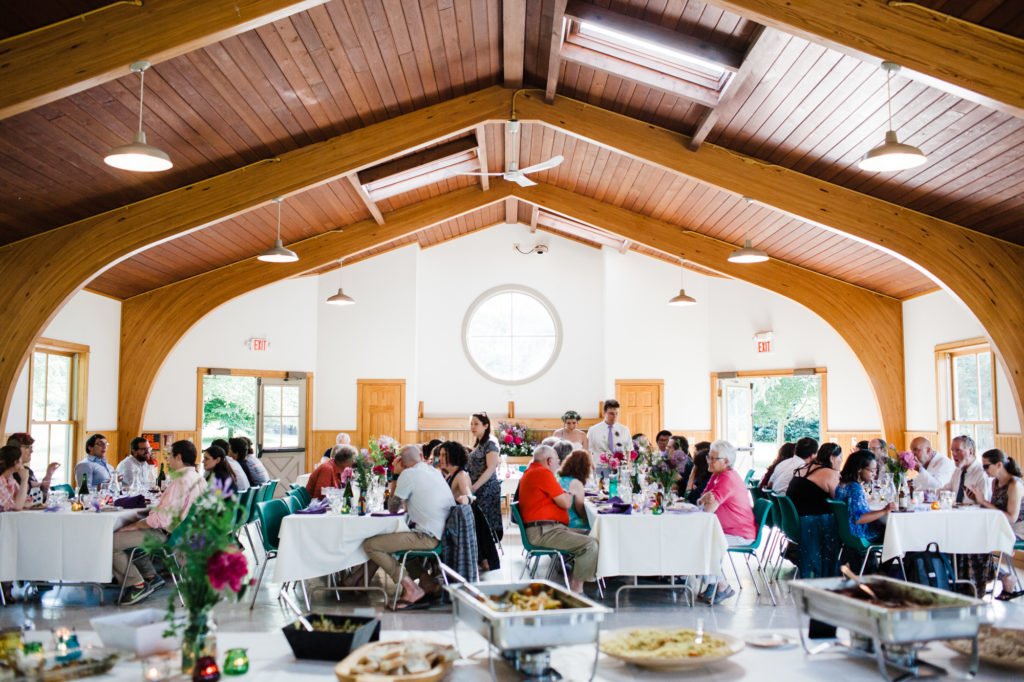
138	156
340	298
891	155
278	253
682	299
748	254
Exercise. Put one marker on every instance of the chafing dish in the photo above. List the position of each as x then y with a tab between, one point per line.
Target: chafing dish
890	633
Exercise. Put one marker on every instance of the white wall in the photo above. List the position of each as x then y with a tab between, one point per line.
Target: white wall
284	313
91	320
802	339
928	321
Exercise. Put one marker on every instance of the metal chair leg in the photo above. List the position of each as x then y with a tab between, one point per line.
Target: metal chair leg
526	567
252	545
746	560
739	584
124	580
565	573
259	581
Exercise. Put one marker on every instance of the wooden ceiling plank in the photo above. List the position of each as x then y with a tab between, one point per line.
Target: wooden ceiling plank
513	13
68	57
556	35
434	76
988	73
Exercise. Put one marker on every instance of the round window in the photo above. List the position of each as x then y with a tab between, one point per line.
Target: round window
511	334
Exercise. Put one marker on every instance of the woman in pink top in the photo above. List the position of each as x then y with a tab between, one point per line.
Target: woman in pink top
727	497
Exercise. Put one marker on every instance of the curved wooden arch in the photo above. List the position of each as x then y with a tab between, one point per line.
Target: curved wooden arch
985	273
145	346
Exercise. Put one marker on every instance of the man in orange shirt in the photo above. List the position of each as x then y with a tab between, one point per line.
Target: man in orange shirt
543	506
329	474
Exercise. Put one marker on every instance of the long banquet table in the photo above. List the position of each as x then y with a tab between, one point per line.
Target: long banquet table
70	547
314	545
956	531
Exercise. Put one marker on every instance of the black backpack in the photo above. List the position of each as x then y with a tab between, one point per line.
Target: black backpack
930	567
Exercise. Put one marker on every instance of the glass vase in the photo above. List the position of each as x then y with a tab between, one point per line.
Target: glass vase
199	639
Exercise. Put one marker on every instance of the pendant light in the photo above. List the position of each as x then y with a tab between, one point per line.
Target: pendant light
137	155
748	254
891	155
341	298
278	254
682	299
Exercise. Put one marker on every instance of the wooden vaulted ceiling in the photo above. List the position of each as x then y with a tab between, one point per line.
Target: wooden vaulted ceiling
344	65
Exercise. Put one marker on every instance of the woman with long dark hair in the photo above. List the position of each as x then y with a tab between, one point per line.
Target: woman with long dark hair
453	460
483	472
860	469
786	451
218	470
812	486
1007	497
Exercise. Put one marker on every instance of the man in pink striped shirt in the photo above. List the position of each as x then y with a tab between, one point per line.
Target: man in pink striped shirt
185	485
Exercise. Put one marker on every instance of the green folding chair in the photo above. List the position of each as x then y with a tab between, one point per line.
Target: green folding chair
270	514
762	513
302	494
786	520
407	554
534	553
294	504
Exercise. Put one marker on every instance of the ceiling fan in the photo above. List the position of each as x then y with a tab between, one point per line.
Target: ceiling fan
519	175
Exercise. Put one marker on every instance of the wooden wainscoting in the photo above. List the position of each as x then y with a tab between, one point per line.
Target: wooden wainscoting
1012	444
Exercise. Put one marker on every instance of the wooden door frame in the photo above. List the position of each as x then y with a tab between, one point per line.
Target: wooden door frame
79	396
820	372
360	383
661	396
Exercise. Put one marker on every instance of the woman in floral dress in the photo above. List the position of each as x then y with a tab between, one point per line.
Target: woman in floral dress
483	472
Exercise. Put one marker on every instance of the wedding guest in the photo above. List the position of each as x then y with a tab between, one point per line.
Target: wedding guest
219	473
183	487
331	473
454	459
564	448
785	452
727	498
934	469
700	474
1007	497
662	440
13	479
608	436
543	507
569	430
37	490
803	453
810	489
878	447
135	469
422	490
860	469
573	477
679	448
255	473
429	453
340	439
970	473
483	472
241	480
95	468
862	445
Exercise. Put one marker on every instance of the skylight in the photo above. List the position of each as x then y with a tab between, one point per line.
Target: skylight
651	49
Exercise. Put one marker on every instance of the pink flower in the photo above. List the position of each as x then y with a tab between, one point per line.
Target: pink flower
346	474
635	455
379	470
227	569
518	440
509	439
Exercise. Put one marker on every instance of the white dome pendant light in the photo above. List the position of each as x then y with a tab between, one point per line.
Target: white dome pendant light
682	299
748	254
340	298
278	253
138	156
891	155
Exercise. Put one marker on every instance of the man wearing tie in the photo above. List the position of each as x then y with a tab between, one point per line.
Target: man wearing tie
609	436
969	474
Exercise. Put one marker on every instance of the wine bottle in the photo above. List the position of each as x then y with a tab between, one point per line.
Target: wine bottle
362	503
83	489
347	509
902	500
161	477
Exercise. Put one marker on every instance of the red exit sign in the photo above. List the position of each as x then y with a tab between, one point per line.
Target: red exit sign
258	344
764	346
763	342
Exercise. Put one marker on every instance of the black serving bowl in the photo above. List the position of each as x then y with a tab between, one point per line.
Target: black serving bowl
330	646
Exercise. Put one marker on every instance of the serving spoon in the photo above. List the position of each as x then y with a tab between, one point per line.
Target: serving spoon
848	573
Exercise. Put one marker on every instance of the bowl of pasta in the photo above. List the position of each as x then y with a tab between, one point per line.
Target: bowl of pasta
669	648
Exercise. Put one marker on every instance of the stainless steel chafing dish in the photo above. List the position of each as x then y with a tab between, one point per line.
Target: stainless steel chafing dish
890	633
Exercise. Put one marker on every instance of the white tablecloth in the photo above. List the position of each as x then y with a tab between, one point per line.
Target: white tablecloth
270	660
59	546
509	485
302	479
312	545
957	531
669	544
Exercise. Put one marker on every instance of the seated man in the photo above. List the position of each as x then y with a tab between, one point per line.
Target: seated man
184	486
543	506
329	474
662	440
934	469
95	468
340	439
135	469
970	472
427	499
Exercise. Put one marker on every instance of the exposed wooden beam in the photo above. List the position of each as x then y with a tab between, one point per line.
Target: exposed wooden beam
145	346
417	160
939	46
59	60
728	58
761	51
556	35
843	306
42	272
481	155
635	72
989	271
511	211
369	203
534	216
513	36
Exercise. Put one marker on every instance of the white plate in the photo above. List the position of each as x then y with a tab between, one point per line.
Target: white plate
771	640
733	646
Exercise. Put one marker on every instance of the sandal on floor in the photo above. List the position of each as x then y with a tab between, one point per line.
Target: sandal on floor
1007	596
420	605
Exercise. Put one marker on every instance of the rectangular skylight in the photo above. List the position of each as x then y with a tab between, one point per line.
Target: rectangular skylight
652	49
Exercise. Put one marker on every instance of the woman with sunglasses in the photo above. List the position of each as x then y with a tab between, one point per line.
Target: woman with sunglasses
1007	497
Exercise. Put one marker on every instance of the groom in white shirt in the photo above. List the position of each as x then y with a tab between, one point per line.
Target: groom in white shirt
609	436
935	470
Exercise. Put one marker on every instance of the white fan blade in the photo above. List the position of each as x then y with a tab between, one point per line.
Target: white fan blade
521	180
489	174
544	165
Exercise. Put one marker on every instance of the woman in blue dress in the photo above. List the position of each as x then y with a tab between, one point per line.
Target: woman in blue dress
860	469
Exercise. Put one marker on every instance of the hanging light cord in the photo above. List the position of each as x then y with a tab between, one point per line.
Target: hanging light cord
888	95
278	220
142	92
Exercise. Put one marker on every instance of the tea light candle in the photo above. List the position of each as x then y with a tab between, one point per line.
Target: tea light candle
156	669
206	670
236	662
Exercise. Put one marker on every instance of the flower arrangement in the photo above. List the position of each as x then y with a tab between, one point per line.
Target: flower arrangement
643	453
902	465
614	460
383	450
362	469
514	440
664	468
210	567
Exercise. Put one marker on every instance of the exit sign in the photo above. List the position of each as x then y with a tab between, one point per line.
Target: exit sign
763	342
258	344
